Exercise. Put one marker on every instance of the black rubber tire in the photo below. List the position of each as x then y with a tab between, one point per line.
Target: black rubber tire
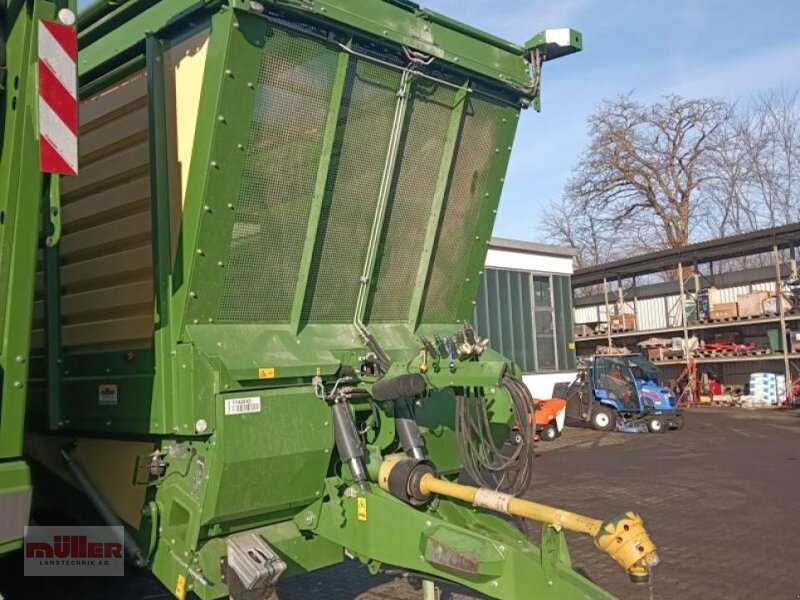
606	416
678	423
549	433
516	438
656	425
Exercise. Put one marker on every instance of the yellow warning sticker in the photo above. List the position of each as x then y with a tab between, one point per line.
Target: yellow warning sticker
362	508
319	371
180	588
266	373
571	346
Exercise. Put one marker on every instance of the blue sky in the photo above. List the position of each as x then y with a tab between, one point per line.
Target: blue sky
723	48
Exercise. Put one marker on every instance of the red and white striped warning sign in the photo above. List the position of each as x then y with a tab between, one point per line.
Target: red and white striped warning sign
58	98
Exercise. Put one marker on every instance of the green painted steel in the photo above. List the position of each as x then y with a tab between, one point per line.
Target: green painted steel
346	166
27	198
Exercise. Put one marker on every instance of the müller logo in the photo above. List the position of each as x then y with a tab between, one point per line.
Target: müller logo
78	551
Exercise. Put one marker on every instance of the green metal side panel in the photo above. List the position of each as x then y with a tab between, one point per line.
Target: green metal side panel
21	190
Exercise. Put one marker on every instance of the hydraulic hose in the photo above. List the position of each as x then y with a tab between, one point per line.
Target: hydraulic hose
486	463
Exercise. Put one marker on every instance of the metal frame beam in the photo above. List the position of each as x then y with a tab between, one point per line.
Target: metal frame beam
442	185
323	170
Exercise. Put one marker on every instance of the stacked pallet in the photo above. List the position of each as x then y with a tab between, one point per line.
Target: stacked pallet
769	388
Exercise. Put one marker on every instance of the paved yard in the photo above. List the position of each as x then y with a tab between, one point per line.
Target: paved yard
721	500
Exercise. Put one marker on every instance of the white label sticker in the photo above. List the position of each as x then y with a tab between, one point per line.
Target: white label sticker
240	406
107	394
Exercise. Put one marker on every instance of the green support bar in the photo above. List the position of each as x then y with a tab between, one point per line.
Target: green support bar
20	201
52	276
453	542
384	193
442	183
160	215
203	153
337	94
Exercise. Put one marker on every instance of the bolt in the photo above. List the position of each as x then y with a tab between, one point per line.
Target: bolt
193	294
214	164
309	519
20	359
18	384
195	321
495	584
220	263
199	251
230	205
240	146
221	118
210	320
201	426
228	72
207	208
428	523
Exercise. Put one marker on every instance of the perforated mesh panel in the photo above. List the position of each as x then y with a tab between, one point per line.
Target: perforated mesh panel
410	201
476	148
357	164
283	154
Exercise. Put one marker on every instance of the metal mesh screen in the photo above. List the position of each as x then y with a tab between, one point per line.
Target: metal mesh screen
476	148
357	163
283	153
410	200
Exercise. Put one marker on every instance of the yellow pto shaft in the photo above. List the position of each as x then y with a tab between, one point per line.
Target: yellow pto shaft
623	537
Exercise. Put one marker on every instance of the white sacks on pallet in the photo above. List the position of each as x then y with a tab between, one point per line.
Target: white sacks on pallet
768	387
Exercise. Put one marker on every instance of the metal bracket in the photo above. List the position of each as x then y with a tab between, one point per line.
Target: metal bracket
253	568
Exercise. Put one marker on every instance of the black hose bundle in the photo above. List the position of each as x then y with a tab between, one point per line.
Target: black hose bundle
486	463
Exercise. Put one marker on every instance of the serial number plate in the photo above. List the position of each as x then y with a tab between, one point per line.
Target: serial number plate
241	406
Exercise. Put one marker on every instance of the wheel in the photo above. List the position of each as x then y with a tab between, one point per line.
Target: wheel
656	425
516	438
603	419
678	423
549	432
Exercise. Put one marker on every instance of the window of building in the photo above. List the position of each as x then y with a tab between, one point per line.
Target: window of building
528	318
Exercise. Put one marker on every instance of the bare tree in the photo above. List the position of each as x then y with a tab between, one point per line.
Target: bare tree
772	141
680	170
645	165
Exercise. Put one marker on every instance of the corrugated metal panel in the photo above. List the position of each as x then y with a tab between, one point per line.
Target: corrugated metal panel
106	221
764	286
664	311
651	314
732	294
587	314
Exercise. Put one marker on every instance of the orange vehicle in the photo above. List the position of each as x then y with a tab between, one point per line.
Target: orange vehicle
548	416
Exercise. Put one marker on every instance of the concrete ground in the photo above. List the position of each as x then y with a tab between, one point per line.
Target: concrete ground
720	498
